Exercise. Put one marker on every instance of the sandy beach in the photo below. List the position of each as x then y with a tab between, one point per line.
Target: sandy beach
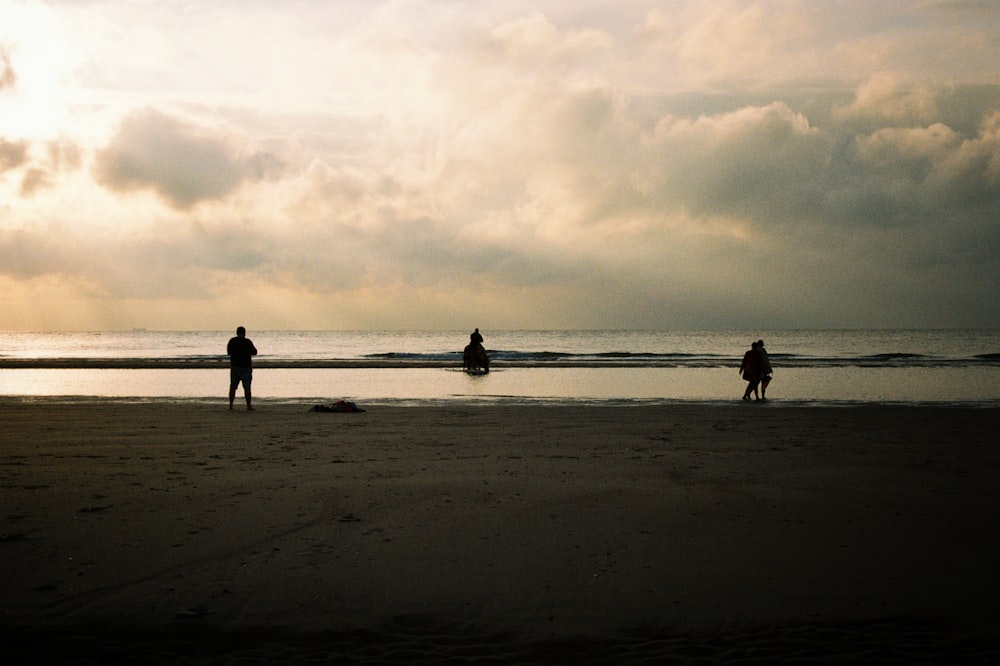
161	532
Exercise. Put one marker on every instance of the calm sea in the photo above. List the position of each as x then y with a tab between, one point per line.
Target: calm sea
422	367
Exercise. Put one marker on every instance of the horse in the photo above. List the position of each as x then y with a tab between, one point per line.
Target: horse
476	359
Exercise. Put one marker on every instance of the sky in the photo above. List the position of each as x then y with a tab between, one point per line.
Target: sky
445	164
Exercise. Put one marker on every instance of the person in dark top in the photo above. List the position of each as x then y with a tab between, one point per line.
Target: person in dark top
241	352
751	368
474	357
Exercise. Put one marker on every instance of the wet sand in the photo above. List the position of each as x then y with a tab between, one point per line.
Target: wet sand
182	532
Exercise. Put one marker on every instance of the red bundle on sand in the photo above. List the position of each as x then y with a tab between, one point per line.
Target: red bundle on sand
339	406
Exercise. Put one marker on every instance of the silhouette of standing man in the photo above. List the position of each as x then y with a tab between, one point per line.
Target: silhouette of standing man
241	352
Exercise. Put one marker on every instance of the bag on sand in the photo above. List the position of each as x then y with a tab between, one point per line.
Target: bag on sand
339	406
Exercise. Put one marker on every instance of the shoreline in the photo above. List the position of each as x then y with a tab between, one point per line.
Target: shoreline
455	363
583	385
498	531
486	401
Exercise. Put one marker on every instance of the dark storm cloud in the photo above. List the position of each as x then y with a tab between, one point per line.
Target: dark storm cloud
182	163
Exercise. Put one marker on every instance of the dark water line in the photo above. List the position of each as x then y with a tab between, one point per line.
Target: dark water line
500	360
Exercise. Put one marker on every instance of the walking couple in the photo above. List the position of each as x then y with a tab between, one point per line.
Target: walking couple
756	370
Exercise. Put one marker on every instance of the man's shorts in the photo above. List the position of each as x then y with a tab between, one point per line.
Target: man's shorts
237	375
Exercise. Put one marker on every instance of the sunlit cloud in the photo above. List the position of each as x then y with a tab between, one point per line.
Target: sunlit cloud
527	164
12	154
181	162
8	77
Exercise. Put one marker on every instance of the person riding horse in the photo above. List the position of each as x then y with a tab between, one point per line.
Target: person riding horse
474	356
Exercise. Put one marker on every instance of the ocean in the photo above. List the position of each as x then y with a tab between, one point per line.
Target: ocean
811	367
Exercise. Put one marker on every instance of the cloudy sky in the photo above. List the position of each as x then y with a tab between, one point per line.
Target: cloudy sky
427	164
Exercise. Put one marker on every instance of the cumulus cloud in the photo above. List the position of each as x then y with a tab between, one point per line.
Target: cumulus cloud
39	164
534	38
182	162
12	154
34	180
738	215
548	168
8	77
702	38
43	171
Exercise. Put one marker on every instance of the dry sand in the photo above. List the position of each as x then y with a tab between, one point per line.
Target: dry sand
184	533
